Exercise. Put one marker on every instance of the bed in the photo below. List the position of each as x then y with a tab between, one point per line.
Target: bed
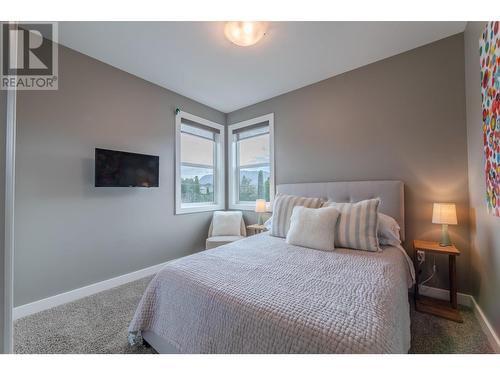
262	295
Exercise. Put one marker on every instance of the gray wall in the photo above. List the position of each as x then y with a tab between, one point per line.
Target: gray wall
68	233
3	116
485	228
400	118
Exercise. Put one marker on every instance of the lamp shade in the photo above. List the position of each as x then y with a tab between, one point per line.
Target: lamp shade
260	205
444	213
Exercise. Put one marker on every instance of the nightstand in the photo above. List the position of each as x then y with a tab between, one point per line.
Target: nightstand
257	228
444	309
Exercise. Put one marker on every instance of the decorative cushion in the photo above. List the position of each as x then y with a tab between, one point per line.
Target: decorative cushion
388	231
313	227
282	211
226	223
357	224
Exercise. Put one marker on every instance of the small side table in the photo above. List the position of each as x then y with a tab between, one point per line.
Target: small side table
434	306
257	228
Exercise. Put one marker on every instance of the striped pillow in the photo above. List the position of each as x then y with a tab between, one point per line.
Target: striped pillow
282	211
357	224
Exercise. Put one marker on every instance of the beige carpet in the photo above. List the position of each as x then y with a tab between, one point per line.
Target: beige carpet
98	324
431	334
95	324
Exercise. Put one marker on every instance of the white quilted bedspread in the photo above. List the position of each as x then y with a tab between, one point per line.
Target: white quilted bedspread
261	295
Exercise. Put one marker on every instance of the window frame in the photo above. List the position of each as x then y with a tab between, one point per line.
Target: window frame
219	169
233	166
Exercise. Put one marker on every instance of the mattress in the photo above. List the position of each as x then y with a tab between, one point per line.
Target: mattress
262	295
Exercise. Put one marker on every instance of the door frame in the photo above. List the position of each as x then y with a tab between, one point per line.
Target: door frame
10	157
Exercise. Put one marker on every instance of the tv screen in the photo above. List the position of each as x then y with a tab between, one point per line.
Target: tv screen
118	168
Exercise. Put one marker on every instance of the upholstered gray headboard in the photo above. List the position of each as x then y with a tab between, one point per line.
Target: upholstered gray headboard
391	194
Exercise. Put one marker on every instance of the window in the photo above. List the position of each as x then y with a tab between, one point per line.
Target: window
251	162
199	165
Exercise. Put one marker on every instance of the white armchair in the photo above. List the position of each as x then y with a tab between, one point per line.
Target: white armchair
226	227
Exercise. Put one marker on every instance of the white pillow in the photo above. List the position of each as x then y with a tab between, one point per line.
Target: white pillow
313	227
282	210
388	231
226	223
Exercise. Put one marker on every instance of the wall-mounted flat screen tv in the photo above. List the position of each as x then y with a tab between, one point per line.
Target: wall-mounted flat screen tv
125	169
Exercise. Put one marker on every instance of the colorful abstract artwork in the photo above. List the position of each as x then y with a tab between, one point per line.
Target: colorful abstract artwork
489	52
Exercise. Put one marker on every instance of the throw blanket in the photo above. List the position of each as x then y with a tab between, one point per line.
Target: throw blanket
262	295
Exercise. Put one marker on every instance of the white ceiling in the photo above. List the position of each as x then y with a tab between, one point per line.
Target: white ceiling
196	60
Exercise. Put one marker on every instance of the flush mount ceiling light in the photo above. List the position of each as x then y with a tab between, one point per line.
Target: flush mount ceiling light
244	33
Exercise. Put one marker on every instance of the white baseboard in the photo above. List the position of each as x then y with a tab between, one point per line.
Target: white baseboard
486	326
462	299
469	301
72	295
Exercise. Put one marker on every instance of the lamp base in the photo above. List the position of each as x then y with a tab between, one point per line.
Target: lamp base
260	221
445	237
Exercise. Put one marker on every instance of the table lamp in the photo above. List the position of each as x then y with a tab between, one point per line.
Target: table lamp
260	208
444	214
